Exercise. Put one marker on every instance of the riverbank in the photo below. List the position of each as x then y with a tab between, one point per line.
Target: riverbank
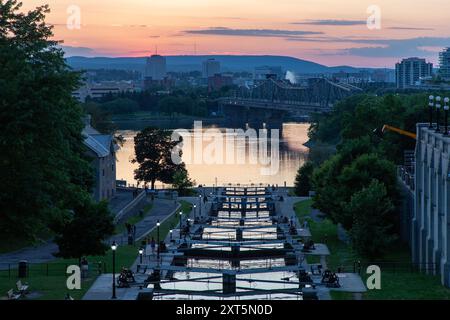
141	120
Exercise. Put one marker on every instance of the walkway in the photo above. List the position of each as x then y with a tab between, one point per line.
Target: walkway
161	209
44	253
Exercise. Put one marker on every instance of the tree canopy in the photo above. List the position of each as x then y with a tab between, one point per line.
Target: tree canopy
153	148
357	186
45	174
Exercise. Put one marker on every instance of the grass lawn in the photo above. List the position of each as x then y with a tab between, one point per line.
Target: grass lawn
120	228
53	286
399	285
303	208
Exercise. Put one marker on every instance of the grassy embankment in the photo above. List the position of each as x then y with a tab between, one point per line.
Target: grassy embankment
53	286
120	228
395	285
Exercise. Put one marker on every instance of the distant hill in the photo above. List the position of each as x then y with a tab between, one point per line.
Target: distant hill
191	63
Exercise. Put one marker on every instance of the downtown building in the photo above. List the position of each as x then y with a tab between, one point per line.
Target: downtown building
210	68
430	225
155	75
444	64
410	71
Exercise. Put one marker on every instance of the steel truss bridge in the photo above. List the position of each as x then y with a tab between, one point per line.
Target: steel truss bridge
270	100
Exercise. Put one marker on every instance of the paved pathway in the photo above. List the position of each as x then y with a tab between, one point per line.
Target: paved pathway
44	253
161	209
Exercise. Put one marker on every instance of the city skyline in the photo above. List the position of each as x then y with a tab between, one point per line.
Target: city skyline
327	32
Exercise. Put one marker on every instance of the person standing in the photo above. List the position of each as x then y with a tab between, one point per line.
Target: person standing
153	245
84	268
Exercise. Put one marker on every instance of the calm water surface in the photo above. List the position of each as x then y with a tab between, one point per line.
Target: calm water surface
292	155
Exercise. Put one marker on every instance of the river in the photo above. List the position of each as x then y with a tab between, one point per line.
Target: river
292	154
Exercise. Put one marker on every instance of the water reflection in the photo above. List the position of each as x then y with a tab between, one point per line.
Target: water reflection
292	155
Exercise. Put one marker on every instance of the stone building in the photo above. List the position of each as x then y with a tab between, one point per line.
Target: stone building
102	149
431	221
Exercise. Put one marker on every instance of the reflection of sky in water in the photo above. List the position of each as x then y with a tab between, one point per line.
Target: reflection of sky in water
244	282
292	156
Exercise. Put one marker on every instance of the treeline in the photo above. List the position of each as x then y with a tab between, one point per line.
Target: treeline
357	185
177	102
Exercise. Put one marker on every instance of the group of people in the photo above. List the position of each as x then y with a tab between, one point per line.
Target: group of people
126	277
152	242
330	279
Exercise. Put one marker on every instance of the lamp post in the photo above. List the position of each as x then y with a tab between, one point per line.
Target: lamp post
195	209
430	110
438	109
159	244
114	248
171	234
181	213
200	204
141	252
446	108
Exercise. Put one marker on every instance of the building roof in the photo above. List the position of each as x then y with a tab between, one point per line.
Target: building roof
97	145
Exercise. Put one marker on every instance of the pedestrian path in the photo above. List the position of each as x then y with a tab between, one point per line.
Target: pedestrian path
45	252
161	209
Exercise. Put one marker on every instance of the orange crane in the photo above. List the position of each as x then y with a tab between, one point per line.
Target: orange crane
399	131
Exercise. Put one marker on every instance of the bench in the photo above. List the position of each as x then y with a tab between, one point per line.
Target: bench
12	295
22	288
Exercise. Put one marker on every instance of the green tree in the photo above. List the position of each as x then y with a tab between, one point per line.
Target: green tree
121	106
329	193
358	175
101	118
153	149
303	183
44	173
85	231
182	183
371	209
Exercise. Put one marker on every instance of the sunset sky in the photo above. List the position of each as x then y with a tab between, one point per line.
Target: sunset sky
330	32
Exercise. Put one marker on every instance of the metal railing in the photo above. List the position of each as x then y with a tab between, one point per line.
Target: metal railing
406	176
34	270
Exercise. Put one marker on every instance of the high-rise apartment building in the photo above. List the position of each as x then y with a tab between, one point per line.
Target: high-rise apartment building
411	70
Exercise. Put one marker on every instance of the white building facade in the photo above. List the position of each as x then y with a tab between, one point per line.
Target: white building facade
431	221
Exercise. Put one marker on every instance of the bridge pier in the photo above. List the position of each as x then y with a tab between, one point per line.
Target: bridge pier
243	117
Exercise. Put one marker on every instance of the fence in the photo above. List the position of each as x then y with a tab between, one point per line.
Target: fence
34	270
392	267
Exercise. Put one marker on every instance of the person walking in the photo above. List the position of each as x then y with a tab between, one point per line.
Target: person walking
153	245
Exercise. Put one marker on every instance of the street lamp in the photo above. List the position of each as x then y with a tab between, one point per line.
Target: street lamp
114	248
430	110
446	108
195	210
438	109
200	204
181	213
159	244
141	252
171	232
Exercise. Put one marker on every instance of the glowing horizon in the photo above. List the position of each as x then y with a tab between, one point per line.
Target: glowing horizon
328	32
